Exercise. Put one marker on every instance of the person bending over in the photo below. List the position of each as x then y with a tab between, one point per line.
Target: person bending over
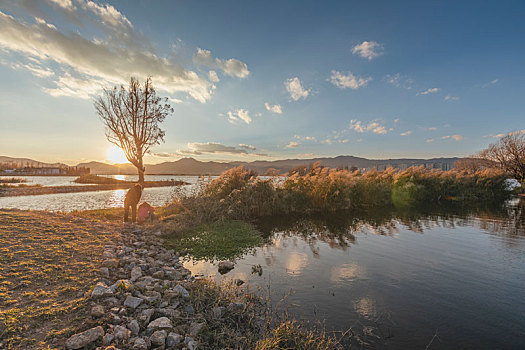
131	200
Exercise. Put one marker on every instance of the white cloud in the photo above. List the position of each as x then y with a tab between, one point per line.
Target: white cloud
500	135
373	126
296	89
108	14
406	133
198	148
213	77
274	109
231	67
175	100
492	82
456	137
239	115
250	147
451	98
103	61
35	69
399	81
67	85
368	49
396	120
65	4
305	138
348	81
306	155
292	144
428	91
429	140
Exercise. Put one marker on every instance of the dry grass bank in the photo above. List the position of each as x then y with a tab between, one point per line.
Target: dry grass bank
47	263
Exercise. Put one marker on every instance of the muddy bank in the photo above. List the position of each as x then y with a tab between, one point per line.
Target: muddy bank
34	191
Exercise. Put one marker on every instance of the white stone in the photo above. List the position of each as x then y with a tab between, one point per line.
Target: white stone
101	290
85	338
160	323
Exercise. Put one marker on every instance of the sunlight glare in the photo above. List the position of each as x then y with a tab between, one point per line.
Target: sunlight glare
116	155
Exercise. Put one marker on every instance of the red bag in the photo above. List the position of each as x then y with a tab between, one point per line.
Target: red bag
145	212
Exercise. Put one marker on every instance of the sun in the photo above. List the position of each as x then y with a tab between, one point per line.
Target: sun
116	155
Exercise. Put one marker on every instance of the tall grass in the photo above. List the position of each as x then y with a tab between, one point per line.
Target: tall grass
239	194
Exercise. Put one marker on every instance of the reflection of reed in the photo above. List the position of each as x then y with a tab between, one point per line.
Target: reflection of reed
339	230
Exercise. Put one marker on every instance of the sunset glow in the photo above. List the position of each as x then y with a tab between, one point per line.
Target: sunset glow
116	155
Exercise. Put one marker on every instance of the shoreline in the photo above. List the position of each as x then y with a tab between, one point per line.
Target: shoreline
35	191
123	289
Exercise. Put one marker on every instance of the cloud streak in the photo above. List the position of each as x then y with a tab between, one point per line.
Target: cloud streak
455	137
239	115
368	50
373	126
400	81
349	80
97	62
231	67
276	109
428	91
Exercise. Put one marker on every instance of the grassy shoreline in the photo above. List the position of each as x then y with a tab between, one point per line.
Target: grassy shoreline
49	266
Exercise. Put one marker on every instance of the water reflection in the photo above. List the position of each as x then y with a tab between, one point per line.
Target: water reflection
346	273
296	262
66	202
366	307
117	198
395	277
339	229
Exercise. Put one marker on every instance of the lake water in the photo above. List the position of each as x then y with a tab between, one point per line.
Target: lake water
156	196
398	278
395	278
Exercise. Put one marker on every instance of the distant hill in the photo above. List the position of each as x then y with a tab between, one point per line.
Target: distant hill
190	166
109	169
28	162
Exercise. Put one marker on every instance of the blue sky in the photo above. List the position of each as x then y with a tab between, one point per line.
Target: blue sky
266	80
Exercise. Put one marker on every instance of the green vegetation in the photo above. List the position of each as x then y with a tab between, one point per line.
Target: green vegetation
238	194
211	223
207	223
217	241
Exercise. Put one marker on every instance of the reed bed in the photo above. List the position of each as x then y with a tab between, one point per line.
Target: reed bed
239	194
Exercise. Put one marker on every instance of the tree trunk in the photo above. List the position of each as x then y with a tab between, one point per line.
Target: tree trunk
141	175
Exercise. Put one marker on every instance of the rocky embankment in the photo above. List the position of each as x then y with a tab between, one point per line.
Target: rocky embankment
143	298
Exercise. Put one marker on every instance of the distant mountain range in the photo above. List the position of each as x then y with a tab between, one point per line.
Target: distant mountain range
190	166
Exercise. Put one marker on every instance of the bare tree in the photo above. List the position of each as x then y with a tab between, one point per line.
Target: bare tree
471	164
132	117
508	154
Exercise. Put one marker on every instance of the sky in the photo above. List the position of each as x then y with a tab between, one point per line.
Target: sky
265	80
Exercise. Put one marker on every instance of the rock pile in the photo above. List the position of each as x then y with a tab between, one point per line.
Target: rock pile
141	299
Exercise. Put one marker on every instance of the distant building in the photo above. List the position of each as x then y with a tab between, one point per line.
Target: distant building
19	169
